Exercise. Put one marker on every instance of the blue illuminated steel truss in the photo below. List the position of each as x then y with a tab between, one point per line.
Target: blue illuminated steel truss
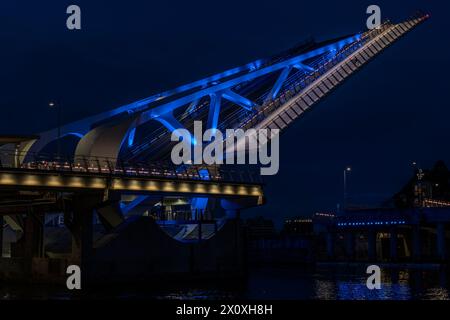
160	107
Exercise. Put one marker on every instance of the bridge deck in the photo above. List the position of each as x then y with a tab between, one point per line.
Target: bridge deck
62	180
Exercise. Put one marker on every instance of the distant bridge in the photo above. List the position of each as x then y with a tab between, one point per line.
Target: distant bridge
411	234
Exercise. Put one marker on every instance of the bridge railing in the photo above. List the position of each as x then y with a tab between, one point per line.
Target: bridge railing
305	82
110	166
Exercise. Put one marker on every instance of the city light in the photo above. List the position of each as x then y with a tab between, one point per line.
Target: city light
371	223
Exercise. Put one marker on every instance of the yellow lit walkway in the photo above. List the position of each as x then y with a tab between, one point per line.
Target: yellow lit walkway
29	180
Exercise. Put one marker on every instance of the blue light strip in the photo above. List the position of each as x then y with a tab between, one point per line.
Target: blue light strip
76	134
131	137
370	223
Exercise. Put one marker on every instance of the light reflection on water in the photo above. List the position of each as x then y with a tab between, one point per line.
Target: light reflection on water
348	284
290	283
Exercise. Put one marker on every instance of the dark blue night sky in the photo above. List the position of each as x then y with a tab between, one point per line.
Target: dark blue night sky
393	112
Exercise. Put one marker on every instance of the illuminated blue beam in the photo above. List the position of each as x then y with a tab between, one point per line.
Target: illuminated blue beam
203	83
302	66
279	83
169	122
156	111
214	111
131	137
172	124
133	204
239	100
283	76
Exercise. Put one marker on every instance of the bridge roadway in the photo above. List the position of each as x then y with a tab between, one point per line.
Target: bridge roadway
141	183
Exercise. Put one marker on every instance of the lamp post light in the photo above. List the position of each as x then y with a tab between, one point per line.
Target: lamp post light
52	104
346	171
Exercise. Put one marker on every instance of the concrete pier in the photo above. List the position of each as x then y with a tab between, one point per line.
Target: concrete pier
81	228
31	245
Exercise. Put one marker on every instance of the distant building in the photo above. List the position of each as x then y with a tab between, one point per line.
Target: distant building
426	188
265	246
260	228
298	226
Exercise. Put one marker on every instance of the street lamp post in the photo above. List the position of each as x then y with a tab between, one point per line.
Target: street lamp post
346	171
58	142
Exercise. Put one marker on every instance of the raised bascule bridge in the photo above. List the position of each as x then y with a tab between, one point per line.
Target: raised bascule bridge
101	192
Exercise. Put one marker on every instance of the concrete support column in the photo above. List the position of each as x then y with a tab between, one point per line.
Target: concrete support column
330	245
372	245
81	227
416	247
1	236
350	245
393	244
440	241
233	224
82	240
32	242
